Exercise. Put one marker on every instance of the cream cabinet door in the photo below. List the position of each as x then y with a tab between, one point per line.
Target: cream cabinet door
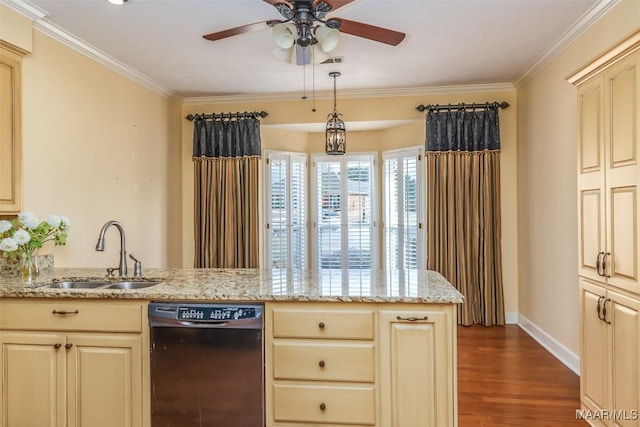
595	342
104	380
624	315
417	364
591	178
33	385
10	133
622	137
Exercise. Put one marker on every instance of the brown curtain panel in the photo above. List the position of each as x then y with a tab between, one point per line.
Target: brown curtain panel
226	167
463	211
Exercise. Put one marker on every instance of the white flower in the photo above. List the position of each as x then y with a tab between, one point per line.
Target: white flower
54	221
30	222
21	237
5	226
8	244
65	222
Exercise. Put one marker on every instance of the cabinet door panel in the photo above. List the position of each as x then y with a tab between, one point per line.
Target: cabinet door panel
595	344
622	81
591	231
105	381
32	379
590	143
415	371
625	321
624	245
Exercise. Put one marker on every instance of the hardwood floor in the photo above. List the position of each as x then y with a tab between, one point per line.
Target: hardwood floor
507	379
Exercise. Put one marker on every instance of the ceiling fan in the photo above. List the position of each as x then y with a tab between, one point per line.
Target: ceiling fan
303	14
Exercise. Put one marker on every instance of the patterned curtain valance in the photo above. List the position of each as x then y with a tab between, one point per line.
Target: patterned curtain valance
224	137
461	130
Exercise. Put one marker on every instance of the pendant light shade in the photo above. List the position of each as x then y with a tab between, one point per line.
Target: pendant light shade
336	132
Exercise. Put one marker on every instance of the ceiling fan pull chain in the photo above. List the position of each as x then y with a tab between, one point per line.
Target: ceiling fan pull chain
304	81
313	81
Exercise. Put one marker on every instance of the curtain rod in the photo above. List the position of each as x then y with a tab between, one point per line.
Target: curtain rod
236	115
462	106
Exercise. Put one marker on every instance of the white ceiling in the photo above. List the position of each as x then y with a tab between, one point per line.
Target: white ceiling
448	43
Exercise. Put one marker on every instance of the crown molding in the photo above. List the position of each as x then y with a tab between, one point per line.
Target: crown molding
25	8
38	16
353	94
589	18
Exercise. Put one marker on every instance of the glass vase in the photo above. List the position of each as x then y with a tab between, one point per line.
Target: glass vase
30	267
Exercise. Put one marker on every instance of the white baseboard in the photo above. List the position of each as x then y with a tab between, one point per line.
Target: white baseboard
562	353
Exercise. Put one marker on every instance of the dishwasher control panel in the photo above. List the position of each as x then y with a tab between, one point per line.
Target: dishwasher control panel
216	313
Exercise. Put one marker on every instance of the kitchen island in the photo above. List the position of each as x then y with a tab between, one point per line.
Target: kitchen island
385	340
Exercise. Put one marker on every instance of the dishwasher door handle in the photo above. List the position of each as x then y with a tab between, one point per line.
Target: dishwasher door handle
159	322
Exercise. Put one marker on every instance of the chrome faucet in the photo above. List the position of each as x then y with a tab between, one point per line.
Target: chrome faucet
122	267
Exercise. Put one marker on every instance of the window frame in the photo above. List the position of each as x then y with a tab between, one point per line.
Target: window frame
314	209
421	240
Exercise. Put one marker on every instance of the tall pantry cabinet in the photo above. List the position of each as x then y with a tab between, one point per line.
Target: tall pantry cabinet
608	219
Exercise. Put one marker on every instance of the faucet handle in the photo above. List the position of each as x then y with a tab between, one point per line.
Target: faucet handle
110	271
137	267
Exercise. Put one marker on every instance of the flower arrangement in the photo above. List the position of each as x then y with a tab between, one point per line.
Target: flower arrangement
24	236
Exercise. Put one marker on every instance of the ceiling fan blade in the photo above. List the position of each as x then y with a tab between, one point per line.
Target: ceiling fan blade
370	32
256	26
335	4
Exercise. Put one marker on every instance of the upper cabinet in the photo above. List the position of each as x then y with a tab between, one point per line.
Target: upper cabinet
10	130
608	167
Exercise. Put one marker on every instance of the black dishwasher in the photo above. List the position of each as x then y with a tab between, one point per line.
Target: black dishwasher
207	365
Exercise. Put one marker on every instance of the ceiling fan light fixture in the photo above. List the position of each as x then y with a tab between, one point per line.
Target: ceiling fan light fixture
284	34
328	38
118	2
336	132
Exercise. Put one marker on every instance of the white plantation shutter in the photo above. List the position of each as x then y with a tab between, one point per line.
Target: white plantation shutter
285	211
403	237
343	232
298	212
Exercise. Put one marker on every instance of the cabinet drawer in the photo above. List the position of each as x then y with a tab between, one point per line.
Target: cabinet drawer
328	324
320	404
71	315
300	360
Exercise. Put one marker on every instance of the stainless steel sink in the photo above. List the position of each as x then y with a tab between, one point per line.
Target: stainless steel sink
133	285
103	284
79	284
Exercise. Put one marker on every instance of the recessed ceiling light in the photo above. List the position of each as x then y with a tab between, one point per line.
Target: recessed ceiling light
118	2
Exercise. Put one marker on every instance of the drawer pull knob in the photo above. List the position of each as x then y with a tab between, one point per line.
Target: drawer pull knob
413	319
68	346
321	363
65	313
321	325
323	406
57	345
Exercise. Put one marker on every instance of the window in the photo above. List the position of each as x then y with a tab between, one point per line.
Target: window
402	199
286	210
342	212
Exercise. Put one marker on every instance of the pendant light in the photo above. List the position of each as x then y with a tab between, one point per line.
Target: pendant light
336	133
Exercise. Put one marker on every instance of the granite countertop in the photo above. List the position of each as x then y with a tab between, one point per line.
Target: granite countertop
409	286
